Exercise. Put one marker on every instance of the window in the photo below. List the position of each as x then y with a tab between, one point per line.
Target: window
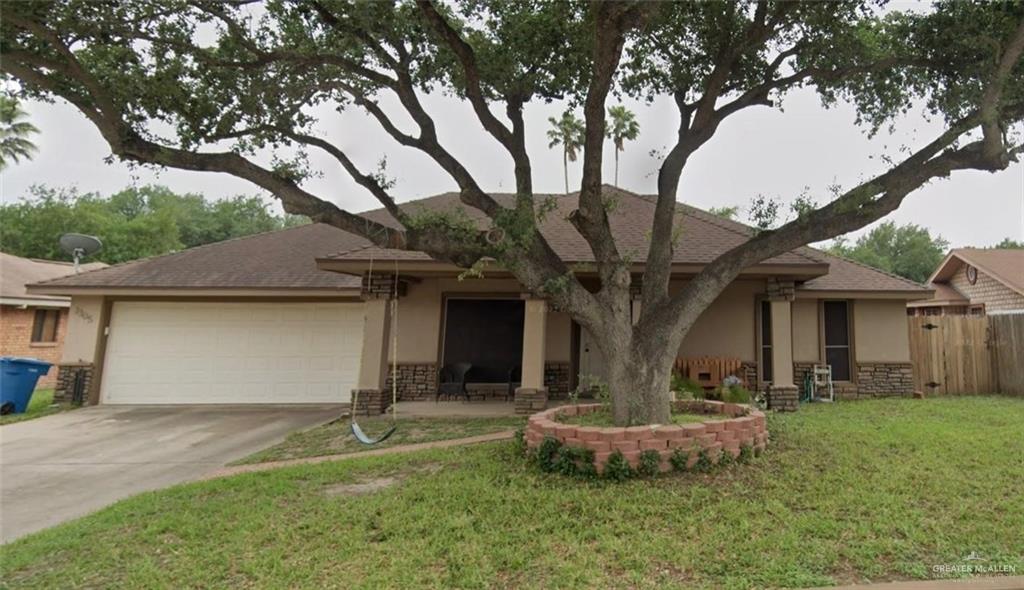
766	341
837	338
44	328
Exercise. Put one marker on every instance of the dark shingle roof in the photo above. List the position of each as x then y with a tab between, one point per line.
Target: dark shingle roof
283	259
286	259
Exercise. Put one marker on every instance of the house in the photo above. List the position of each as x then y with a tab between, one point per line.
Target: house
33	325
305	315
975	281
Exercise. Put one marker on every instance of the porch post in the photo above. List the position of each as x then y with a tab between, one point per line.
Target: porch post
783	394
370	396
532	396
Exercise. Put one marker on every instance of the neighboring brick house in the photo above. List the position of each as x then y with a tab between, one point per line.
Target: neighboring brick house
33	325
975	281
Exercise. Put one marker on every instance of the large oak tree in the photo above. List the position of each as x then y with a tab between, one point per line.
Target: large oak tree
229	81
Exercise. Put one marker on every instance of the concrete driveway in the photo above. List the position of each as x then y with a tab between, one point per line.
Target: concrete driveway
63	466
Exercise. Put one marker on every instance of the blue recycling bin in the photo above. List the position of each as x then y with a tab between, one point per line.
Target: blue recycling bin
18	377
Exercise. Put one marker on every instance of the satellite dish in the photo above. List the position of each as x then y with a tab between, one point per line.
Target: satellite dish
79	246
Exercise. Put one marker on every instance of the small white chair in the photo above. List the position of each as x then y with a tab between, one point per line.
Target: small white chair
821	382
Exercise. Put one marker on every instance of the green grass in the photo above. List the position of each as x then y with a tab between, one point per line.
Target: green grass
604	418
336	438
40	405
848	492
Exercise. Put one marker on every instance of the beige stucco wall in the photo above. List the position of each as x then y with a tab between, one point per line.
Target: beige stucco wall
880	331
419	318
806	348
84	329
727	327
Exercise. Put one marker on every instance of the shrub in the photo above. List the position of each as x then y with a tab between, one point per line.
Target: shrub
703	463
733	393
725	458
746	453
737	394
519	442
650	463
617	468
679	459
687	386
547	453
573	461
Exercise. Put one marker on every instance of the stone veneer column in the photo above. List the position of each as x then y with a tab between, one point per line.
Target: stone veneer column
783	394
369	397
532	396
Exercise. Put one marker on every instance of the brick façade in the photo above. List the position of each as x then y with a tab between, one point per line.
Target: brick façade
16	339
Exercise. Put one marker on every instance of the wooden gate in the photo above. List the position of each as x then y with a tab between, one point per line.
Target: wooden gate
951	355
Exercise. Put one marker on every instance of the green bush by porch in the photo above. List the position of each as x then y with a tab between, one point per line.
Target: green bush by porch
871	490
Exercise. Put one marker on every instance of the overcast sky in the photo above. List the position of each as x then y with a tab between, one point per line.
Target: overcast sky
760	151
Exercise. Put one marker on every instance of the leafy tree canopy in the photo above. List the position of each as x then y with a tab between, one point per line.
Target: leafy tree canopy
236	87
133	223
1010	243
908	250
15	131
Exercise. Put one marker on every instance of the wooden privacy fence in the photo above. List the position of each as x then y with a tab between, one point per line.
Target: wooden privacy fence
1008	352
968	354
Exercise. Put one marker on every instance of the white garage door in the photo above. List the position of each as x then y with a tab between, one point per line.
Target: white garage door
232	353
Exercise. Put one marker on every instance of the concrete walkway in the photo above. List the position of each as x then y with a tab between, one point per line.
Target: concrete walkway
437	444
59	467
991	583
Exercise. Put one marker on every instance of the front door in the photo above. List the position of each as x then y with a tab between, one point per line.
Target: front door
591	360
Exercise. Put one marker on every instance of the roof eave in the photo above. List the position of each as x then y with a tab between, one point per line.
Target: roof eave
863	294
105	290
436	267
35	301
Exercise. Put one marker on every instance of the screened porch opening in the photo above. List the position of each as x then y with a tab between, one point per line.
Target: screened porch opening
487	333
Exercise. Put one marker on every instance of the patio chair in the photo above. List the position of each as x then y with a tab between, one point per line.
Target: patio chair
451	380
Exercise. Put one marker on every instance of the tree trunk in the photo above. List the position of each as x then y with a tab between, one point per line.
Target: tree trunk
616	168
640	389
638	369
565	169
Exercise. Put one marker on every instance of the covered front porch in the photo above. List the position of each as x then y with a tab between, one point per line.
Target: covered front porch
440	342
519	353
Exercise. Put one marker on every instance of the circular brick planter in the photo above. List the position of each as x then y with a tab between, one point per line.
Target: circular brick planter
744	427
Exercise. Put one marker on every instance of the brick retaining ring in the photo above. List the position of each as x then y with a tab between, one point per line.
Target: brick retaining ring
745	427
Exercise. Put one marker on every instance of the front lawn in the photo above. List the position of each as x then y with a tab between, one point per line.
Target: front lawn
850	492
336	438
40	405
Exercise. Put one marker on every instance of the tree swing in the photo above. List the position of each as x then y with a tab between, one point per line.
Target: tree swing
357	431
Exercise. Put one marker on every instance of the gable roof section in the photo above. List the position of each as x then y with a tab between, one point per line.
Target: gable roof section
288	259
17	272
1005	265
703	236
277	260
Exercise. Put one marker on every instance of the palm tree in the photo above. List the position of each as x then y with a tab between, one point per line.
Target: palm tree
14	131
624	127
567	132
